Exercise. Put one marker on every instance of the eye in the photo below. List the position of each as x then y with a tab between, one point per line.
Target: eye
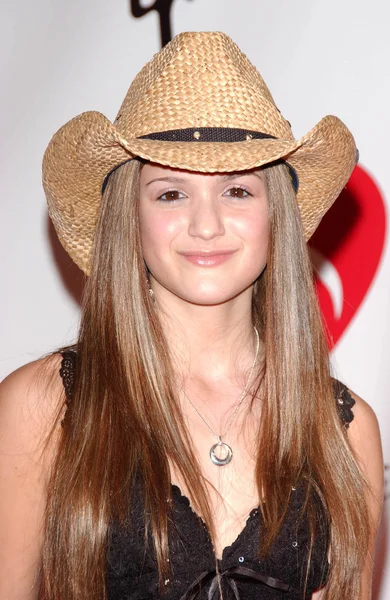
237	192
171	196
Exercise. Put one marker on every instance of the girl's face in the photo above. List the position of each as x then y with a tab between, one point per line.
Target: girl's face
204	236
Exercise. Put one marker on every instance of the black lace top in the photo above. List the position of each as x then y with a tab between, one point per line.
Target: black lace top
132	568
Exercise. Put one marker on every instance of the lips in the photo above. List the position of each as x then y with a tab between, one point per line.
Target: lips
210	258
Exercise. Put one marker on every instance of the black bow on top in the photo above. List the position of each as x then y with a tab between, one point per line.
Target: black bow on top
227	579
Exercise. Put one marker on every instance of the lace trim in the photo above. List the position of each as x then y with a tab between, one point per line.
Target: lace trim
229	549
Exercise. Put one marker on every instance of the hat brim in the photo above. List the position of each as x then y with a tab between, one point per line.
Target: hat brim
87	148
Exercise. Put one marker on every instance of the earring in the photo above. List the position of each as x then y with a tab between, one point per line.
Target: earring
151	292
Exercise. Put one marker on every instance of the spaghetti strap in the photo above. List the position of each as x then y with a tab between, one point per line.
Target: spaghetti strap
68	374
344	402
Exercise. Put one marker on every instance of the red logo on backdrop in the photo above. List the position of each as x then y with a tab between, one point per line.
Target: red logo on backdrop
346	250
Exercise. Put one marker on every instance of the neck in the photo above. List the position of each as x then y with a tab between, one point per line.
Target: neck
209	344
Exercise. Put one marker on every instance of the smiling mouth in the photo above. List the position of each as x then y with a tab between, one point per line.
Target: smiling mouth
211	258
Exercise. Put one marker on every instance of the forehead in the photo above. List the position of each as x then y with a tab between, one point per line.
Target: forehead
153	172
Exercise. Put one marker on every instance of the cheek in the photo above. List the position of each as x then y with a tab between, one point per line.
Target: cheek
157	231
253	230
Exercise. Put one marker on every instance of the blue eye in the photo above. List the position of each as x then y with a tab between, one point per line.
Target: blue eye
237	192
171	196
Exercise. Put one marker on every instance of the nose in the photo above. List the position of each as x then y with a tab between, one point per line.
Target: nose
206	220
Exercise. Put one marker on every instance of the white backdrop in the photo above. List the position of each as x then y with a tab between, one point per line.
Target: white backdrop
59	59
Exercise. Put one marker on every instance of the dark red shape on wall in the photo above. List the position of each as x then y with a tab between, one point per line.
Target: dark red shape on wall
346	250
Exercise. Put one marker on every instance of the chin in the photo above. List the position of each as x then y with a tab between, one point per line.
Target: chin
210	298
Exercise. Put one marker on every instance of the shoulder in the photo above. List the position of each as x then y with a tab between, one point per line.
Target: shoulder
364	435
364	430
365	441
35	379
30	403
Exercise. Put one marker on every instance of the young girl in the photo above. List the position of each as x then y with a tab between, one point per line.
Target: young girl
192	444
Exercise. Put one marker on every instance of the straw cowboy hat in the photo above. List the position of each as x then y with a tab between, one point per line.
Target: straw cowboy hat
198	105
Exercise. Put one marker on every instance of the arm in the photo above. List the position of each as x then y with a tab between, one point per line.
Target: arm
364	436
365	440
28	406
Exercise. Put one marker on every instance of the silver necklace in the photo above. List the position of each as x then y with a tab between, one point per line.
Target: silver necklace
220	445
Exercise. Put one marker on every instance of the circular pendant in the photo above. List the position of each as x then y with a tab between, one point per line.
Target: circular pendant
227	451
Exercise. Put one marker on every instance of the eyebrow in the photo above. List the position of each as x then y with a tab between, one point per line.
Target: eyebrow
167	179
178	180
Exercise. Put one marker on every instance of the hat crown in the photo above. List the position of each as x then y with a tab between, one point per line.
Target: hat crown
200	79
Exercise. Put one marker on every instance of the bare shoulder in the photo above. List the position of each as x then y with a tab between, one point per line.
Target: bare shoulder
365	440
364	437
28	373
30	402
30	407
363	432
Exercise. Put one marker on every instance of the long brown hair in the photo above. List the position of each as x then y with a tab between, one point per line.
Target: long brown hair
124	419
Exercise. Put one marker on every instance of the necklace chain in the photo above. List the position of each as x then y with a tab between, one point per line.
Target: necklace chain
241	397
